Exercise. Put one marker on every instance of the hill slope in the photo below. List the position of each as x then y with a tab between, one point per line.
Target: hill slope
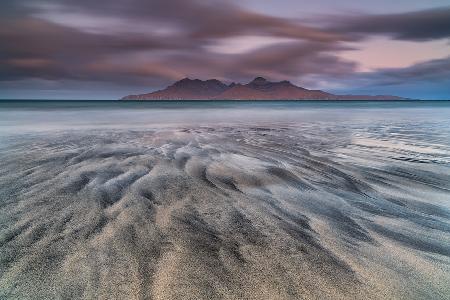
258	89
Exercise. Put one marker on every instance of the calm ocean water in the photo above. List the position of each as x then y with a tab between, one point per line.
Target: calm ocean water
37	115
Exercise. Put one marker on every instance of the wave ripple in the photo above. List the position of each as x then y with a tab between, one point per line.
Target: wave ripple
267	212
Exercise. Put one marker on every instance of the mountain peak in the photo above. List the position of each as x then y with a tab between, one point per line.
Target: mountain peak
259	80
258	89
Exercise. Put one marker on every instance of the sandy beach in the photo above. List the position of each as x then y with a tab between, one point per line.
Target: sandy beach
293	211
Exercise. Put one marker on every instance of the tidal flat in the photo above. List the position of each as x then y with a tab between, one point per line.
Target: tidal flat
225	201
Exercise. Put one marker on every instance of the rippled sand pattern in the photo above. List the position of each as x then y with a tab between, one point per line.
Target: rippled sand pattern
270	212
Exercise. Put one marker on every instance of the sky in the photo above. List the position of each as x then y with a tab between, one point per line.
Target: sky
106	49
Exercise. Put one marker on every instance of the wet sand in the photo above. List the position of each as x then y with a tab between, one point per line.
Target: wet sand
298	211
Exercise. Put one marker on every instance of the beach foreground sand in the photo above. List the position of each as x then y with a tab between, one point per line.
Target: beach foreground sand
269	212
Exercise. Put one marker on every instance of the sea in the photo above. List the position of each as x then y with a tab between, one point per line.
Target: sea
41	115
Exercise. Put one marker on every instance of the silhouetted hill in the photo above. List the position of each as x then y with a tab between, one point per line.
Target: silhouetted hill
257	89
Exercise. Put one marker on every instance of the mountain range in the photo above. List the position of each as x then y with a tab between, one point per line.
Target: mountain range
258	89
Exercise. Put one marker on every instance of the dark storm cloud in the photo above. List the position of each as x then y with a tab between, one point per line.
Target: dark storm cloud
152	43
430	71
286	60
196	18
41	42
425	80
32	37
33	48
414	26
292	60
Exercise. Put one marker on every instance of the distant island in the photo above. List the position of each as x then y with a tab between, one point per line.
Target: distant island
258	89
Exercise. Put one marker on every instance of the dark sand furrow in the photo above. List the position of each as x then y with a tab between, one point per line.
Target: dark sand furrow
257	212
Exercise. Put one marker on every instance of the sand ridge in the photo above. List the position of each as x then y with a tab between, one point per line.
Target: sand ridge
238	212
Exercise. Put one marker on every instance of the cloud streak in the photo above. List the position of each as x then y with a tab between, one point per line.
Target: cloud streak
151	43
412	26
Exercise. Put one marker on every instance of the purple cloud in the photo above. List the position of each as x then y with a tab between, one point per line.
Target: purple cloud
152	43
